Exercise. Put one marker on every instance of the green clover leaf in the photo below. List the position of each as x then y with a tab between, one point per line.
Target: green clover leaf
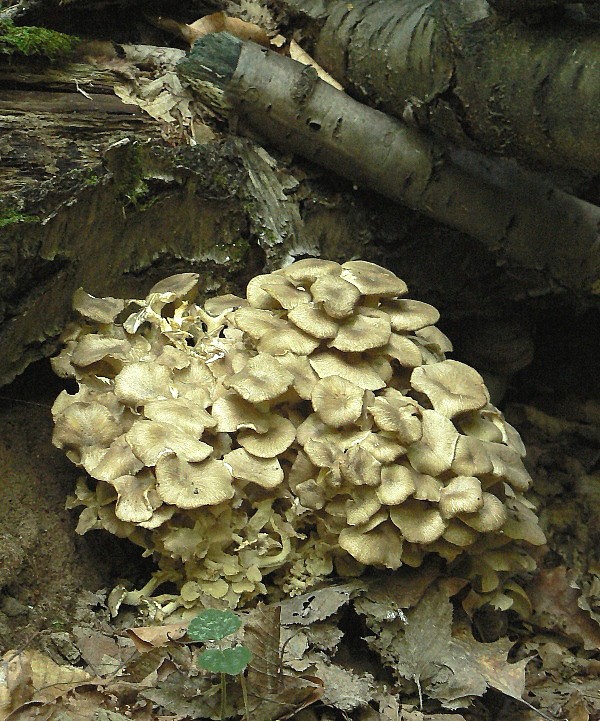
213	625
230	660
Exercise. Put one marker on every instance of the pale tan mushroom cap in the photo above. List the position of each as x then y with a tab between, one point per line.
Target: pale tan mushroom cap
192	485
337	401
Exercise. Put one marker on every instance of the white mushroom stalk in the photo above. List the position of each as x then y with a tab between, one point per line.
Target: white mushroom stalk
257	444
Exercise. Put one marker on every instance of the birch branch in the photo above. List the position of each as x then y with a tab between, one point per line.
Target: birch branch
468	73
533	224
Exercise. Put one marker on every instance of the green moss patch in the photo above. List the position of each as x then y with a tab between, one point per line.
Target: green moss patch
36	41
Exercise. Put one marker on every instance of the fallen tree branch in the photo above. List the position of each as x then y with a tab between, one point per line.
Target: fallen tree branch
533	224
468	73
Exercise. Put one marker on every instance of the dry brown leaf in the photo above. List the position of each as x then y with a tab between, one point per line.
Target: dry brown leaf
145	638
276	694
215	23
555	606
16	681
301	56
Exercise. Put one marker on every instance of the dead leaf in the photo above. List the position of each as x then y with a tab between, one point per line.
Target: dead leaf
301	56
278	695
318	605
145	638
215	23
555	606
449	669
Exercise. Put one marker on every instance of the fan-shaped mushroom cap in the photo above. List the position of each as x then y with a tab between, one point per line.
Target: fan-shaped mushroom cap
433	453
150	440
418	522
459	534
359	467
462	494
397	484
279	436
313	320
285	293
337	401
287	339
263	379
231	412
404	350
471	458
490	517
257	296
378	547
395	413
363	505
137	497
117	460
408	315
427	488
140	382
178	285
337	296
188	417
432	337
357	371
305	377
452	387
102	310
372	279
368	328
306	271
383	447
92	348
192	485
265	472
85	424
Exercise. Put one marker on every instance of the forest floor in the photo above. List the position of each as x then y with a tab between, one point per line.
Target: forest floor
54	585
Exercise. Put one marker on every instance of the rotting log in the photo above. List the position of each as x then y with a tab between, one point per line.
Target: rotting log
528	220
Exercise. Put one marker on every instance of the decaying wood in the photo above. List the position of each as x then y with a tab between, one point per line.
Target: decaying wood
503	208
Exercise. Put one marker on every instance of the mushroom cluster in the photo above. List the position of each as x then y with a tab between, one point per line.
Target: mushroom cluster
260	443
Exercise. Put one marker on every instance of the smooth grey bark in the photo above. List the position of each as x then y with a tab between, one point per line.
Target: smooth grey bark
526	219
466	72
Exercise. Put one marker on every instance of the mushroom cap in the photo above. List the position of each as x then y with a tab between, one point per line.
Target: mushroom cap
337	296
462	494
397	484
359	467
117	460
287	339
363	505
92	348
433	453
404	350
395	413
451	386
231	412
306	271
490	517
85	424
356	370
372	279
279	436
224	303
305	377
432	337
177	286
368	328
265	472
418	522
137	497
192	485
337	401
407	315
263	379
102	310
150	440
184	414
285	293
380	546
141	382
313	320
